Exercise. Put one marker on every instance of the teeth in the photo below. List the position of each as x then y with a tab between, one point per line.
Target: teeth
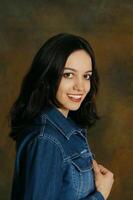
75	96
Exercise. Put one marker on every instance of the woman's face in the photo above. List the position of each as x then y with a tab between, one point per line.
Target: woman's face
75	82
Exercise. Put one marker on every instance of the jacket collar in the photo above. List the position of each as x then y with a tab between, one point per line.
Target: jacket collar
65	125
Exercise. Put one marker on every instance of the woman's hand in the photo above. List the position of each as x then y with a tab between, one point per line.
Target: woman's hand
103	179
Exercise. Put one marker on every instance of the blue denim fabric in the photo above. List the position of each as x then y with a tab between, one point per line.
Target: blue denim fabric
54	161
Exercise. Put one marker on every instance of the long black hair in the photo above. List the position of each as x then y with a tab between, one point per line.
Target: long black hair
40	84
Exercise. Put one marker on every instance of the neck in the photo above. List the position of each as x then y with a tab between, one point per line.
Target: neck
63	111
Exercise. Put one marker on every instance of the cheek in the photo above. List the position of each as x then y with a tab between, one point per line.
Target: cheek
87	87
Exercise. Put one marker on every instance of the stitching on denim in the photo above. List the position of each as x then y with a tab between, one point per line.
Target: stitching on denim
56	126
42	127
74	182
71	133
69	158
55	142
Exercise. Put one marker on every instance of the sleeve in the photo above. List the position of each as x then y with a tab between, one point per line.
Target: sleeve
95	196
43	170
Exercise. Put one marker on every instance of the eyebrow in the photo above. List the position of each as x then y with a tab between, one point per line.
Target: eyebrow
76	70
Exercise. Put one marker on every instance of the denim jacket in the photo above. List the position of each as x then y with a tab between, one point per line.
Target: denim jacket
54	161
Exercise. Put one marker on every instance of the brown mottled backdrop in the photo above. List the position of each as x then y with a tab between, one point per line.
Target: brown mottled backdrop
108	25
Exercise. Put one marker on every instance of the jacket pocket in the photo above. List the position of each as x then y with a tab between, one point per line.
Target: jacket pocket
82	174
83	162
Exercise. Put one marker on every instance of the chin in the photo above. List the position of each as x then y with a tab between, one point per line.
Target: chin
73	108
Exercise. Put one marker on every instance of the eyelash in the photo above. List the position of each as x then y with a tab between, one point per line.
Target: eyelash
65	75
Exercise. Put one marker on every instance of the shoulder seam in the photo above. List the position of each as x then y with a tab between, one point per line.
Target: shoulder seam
55	141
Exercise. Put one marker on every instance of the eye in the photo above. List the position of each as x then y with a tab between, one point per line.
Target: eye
87	76
68	75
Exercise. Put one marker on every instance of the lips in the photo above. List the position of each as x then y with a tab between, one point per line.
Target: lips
75	97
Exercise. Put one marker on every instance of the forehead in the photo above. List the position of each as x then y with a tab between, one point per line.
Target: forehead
79	60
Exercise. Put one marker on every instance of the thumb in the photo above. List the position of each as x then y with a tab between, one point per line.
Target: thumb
96	167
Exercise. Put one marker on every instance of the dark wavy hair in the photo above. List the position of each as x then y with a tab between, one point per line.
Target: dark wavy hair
40	84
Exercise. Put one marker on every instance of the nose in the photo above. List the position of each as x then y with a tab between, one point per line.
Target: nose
78	85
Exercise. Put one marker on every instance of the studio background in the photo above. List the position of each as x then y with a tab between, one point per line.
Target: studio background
108	26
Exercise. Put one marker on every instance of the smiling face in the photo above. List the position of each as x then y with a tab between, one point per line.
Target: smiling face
75	82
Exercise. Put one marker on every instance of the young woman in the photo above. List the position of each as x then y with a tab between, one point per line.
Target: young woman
49	122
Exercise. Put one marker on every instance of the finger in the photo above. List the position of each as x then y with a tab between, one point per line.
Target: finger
96	167
103	169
